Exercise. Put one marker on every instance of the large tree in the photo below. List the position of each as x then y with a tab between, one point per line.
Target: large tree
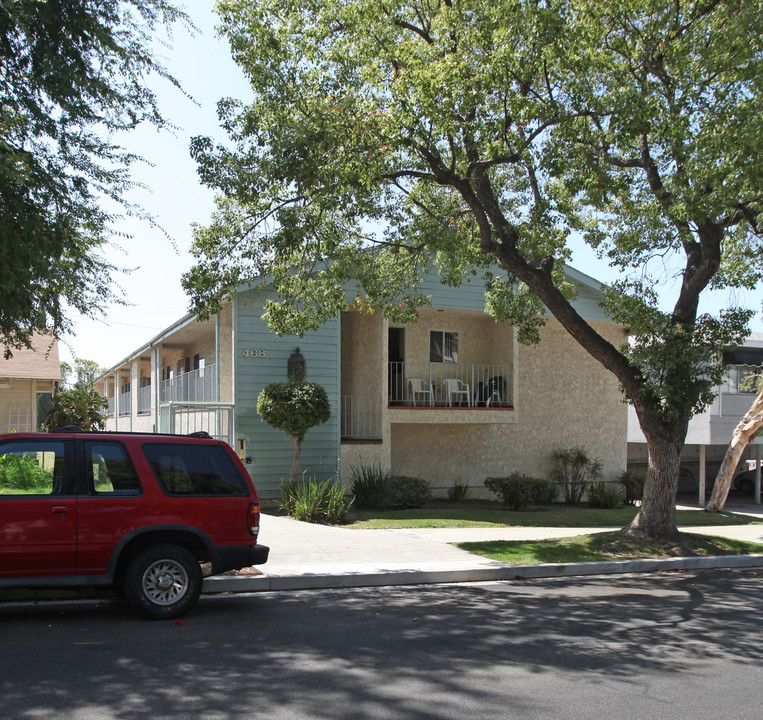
72	75
484	137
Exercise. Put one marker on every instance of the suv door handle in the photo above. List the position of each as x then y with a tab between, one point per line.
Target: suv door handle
58	509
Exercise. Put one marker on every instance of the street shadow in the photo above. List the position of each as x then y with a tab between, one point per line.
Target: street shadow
384	652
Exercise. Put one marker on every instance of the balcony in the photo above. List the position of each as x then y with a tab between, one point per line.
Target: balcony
449	385
195	386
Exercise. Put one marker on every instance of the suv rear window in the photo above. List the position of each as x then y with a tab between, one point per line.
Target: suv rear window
186	469
110	471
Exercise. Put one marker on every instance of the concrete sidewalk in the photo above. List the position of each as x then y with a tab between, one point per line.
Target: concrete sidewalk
304	556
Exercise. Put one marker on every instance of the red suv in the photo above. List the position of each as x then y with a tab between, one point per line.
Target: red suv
136	512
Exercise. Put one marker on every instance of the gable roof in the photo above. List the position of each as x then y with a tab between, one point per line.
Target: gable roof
40	362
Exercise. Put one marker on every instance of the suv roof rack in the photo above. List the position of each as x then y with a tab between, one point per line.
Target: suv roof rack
200	434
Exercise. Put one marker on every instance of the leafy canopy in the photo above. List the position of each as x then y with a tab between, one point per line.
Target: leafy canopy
481	137
72	74
294	407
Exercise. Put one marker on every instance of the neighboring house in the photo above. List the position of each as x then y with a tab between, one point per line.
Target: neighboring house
27	383
451	397
710	432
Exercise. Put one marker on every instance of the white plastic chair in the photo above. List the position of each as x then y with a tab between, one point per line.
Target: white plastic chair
454	388
416	387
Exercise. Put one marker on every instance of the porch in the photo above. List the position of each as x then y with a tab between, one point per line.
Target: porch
457	393
449	385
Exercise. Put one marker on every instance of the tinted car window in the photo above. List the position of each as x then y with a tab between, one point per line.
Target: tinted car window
110	471
185	469
32	468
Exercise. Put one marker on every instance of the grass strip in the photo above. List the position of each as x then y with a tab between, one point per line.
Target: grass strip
555	516
606	546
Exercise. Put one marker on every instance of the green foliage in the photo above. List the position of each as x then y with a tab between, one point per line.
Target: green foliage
317	501
294	407
633	487
22	473
574	471
74	75
458	491
604	495
370	486
407	492
518	490
512	490
383	139
543	491
81	406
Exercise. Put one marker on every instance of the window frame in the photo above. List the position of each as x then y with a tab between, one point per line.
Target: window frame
445	359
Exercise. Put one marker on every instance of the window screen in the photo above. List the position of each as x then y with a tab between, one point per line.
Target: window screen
185	469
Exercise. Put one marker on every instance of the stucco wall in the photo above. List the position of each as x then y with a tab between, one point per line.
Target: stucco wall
363	361
564	398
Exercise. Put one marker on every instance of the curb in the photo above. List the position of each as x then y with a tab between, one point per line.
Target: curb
318	580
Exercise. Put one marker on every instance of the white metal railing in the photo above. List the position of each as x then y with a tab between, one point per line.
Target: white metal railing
479	385
112	403
195	386
736	379
360	417
125	403
187	417
144	400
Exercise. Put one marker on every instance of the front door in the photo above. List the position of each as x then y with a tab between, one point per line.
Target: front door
396	360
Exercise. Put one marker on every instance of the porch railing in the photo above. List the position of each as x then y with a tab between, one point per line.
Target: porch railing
144	400
125	403
736	379
360	417
488	385
195	386
184	418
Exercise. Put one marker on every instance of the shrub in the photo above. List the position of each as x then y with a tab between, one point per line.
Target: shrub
458	491
604	495
370	486
315	501
633	487
407	492
542	491
574	471
82	406
513	490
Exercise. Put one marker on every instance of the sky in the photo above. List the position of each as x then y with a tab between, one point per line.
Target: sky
152	289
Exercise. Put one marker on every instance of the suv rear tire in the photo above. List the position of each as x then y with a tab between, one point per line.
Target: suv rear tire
163	582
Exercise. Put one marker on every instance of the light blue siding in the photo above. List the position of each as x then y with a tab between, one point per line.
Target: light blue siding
260	359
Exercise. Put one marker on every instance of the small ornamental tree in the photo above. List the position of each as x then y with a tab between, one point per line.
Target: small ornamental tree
294	407
81	406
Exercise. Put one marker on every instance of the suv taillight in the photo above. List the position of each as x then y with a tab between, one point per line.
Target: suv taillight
253	519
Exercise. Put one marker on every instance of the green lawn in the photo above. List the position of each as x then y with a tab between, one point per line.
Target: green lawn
606	546
466	515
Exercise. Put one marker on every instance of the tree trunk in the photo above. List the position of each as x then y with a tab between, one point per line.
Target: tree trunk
743	434
297	443
656	517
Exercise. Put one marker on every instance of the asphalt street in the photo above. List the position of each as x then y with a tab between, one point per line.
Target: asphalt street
673	646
